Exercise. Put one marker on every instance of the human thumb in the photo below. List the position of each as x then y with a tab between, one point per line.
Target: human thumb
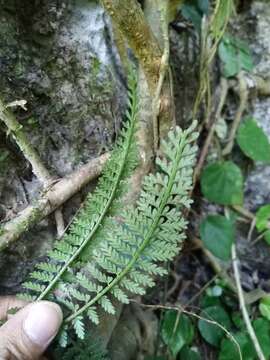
27	334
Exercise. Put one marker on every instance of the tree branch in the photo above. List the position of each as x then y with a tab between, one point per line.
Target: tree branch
54	197
129	17
243	95
30	154
15	129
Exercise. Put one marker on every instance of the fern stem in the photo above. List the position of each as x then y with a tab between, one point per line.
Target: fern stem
165	196
131	131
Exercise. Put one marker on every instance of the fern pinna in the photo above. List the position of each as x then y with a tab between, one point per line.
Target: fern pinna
127	248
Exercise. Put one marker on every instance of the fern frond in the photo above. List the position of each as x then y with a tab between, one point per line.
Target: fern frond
108	254
85	231
150	233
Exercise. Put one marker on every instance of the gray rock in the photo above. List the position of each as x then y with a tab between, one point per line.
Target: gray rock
60	57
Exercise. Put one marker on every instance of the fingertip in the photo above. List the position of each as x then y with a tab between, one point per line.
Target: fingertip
42	322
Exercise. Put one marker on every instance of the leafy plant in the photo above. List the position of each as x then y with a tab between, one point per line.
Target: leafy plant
253	141
105	257
191	354
229	351
222	183
211	332
218	233
264	307
177	331
262	221
235	55
194	10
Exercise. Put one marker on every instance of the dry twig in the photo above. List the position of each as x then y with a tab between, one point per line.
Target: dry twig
182	309
243	95
243	306
51	199
38	168
16	131
223	95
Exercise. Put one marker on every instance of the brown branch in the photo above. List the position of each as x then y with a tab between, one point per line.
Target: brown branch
243	95
38	168
129	17
223	96
54	197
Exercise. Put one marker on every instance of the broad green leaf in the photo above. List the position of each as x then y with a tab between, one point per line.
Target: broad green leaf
262	330
263	221
229	350
222	183
262	218
212	333
176	331
189	354
194	10
264	307
235	55
190	12
217	234
253	141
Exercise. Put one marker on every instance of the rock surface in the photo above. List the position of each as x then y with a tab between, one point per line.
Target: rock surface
59	56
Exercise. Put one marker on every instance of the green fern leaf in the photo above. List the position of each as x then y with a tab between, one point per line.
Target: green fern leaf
111	252
151	232
86	230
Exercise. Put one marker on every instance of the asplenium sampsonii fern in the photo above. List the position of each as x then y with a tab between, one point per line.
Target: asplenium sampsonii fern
146	234
126	250
86	229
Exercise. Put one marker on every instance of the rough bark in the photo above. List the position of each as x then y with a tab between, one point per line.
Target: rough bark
129	17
